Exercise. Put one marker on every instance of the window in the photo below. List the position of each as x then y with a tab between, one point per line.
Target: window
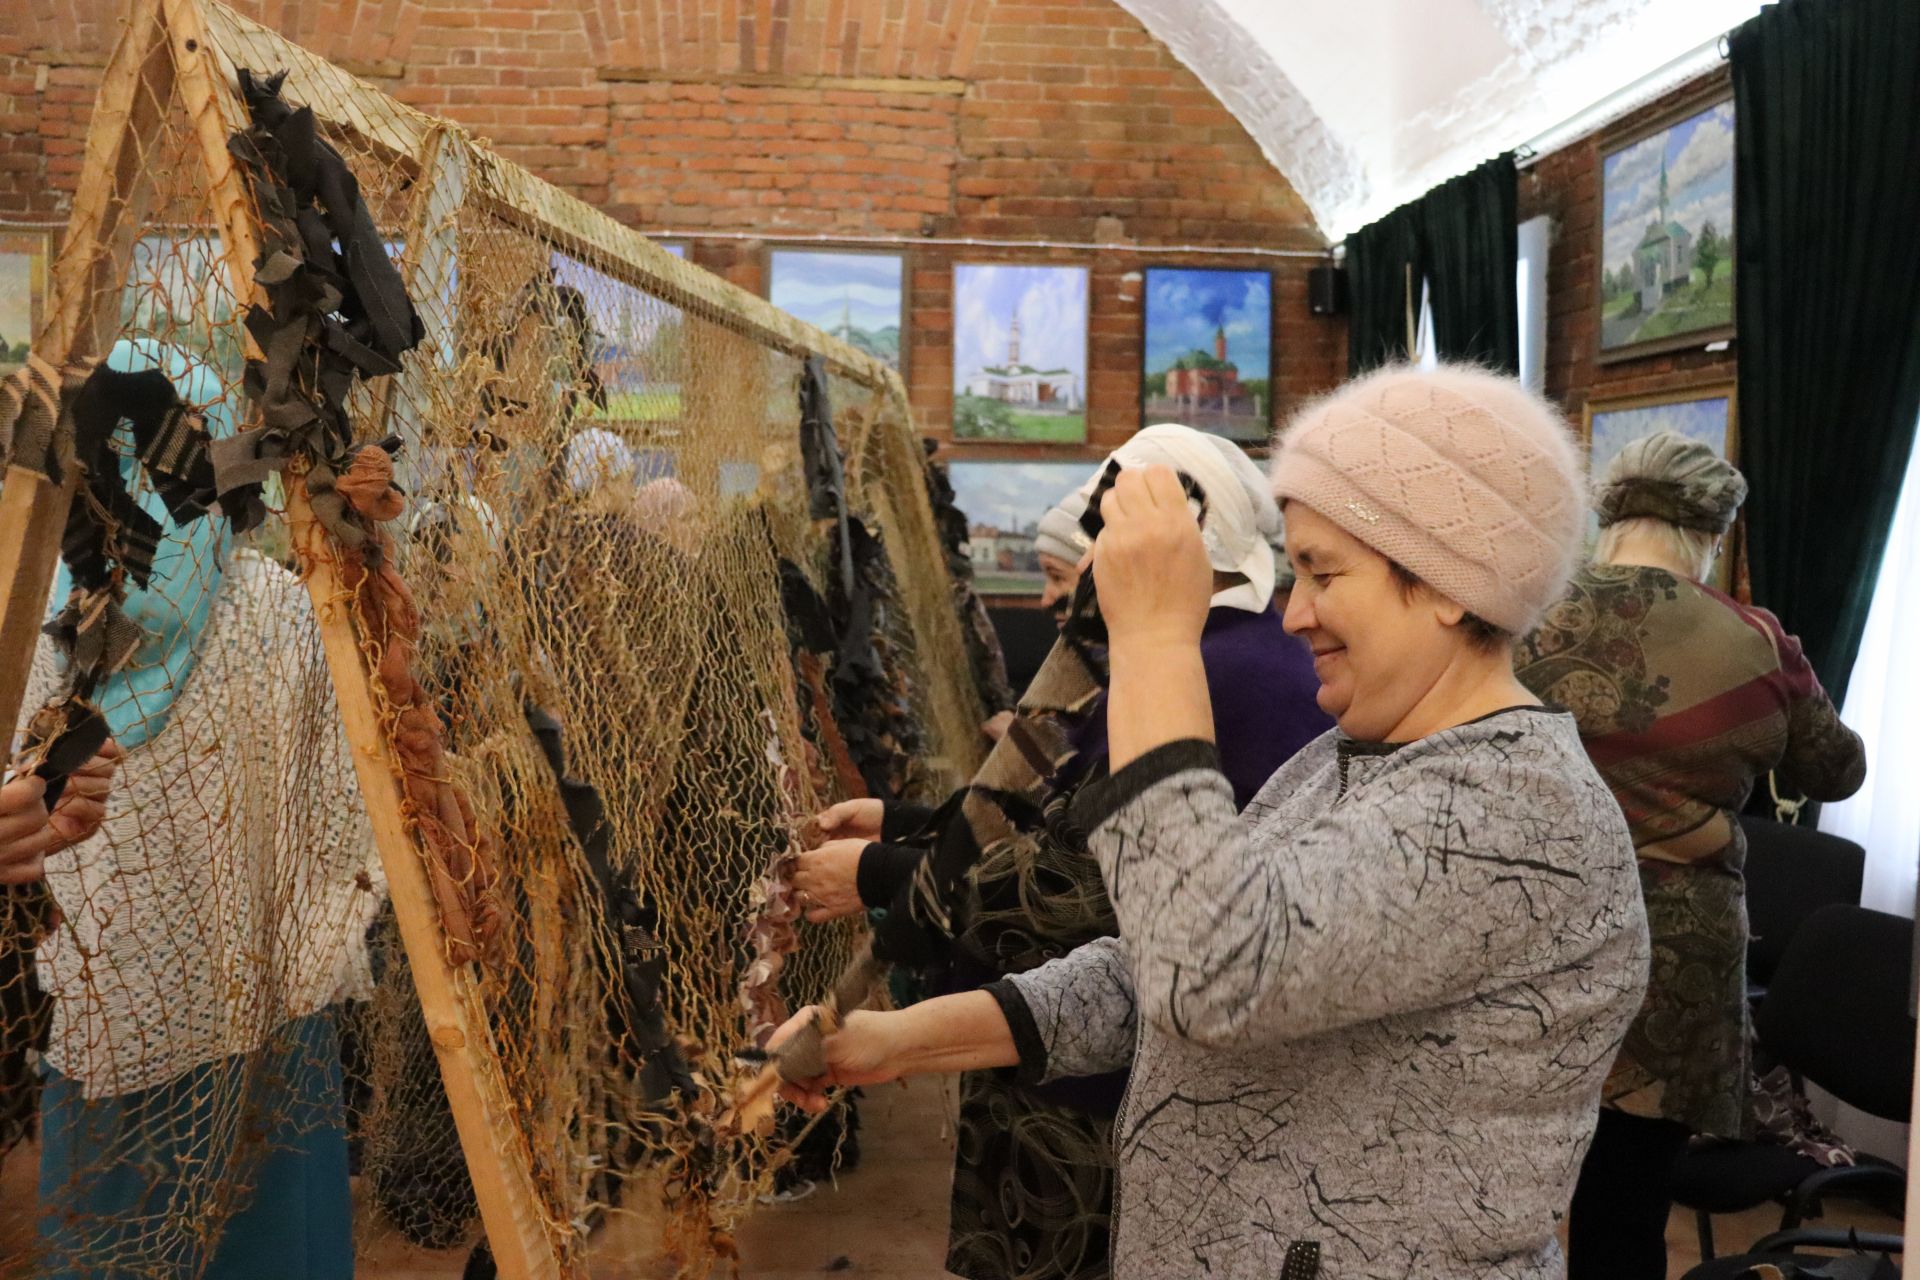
1530	282
1883	707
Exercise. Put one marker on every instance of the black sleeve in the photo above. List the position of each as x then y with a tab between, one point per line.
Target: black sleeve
1026	1032
885	869
1099	800
904	820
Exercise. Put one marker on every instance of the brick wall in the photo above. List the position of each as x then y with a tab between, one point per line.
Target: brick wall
1052	120
1566	187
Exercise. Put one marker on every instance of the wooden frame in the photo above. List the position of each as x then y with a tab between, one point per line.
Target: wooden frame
176	62
1725	389
1612	144
906	282
1273	334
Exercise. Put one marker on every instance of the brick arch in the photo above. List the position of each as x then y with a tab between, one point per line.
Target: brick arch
1078	112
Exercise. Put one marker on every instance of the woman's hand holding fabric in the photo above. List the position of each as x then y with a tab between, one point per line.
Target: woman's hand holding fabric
28	833
828	879
859	1051
852	820
1149	564
1155	585
25	836
83	805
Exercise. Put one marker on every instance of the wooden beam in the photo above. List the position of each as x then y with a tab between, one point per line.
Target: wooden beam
523	1248
516	197
33	510
89	269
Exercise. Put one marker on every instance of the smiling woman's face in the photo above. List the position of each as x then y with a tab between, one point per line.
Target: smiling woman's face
1377	648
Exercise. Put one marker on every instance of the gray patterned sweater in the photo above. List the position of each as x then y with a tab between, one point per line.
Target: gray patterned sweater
1373	1012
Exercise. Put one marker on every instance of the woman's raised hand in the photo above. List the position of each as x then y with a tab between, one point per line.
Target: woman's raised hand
1149	563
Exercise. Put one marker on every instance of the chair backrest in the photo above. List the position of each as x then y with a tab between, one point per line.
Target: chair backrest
1837	1010
1791	873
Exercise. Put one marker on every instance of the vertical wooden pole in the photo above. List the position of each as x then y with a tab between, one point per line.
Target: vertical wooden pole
86	284
510	1210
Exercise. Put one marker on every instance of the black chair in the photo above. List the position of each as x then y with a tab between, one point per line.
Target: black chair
1836	1014
1792	871
1788	1246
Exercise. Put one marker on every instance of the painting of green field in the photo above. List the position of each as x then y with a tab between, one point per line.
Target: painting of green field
1667	234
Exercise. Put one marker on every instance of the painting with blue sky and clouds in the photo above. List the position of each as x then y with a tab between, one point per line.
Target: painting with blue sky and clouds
859	298
1209	341
1019	353
1667	233
1003	502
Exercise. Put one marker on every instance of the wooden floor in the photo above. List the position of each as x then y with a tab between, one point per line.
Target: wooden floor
886	1218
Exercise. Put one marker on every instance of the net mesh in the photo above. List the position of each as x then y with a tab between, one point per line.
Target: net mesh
603	461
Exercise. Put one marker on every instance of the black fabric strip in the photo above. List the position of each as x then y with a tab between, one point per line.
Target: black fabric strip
903	820
1100	800
1026	1032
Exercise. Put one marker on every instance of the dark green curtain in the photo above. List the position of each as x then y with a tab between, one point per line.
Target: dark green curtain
1472	240
1378	258
1827	184
1463	239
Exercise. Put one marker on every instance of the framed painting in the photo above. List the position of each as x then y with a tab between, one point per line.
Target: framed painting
856	295
1665	239
1020	353
1708	414
23	294
636	342
1003	502
1207	344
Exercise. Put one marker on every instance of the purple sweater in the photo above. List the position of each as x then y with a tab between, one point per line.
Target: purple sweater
1262	686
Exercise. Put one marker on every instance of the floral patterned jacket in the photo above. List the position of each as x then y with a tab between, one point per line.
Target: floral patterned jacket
1684	698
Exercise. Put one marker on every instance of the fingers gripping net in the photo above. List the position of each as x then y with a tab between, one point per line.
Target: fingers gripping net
603	463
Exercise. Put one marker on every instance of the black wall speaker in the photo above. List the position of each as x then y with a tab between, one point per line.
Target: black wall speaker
1327	291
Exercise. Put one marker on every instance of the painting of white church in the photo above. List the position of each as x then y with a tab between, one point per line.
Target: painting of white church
1666	249
1020	353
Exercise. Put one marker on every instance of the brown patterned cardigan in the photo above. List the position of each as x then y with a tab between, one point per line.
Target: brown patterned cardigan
1684	698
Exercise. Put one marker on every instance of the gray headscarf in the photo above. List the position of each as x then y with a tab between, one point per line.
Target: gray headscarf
1668	477
1059	533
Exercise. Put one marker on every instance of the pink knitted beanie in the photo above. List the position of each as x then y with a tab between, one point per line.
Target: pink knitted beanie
1464	477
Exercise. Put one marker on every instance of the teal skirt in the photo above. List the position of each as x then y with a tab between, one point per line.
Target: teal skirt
236	1170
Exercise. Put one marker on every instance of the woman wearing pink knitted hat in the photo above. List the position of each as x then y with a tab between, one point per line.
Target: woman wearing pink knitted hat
1369	1017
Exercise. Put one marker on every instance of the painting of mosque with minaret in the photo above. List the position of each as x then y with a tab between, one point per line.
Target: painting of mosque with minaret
1666	240
1209	340
858	298
1020	353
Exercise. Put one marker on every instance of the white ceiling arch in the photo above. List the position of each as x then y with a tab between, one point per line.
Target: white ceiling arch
1365	104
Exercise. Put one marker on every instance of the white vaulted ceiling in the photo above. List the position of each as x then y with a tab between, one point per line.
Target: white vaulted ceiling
1365	104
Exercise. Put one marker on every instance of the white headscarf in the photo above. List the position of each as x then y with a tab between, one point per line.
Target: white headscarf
1242	522
595	456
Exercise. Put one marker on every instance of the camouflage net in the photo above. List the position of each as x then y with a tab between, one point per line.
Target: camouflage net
634	574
